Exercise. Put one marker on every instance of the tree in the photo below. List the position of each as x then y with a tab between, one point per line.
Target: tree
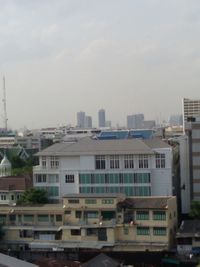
33	196
195	210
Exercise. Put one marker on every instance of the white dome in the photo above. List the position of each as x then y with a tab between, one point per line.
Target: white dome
5	162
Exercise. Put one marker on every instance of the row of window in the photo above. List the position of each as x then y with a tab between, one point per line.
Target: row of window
157	215
44	178
91	201
114	161
54	162
128	161
114	178
157	231
141	230
127	190
26	218
52	191
4	197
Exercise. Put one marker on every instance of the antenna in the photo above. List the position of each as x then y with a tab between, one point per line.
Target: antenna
4	105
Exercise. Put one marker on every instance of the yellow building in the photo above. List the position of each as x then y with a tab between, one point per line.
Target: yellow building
97	221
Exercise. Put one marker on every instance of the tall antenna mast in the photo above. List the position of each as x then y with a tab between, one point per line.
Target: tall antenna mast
4	105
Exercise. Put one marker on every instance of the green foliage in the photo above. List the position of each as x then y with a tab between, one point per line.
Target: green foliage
33	196
195	210
27	170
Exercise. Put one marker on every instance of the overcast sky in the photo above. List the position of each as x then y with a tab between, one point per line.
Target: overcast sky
127	56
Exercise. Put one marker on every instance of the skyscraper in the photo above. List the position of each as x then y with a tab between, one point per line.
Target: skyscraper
102	118
191	109
88	122
135	121
81	119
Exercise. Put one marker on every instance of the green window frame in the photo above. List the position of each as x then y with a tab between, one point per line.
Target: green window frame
159	215
142	230
107	201
90	201
43	218
142	215
160	231
28	217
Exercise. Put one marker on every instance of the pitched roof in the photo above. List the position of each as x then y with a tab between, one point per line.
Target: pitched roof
145	202
89	146
14	183
189	228
101	260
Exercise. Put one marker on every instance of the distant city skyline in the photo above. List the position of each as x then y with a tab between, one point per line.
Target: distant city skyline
128	57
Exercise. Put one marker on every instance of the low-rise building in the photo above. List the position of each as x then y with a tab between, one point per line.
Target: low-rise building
108	221
132	166
188	237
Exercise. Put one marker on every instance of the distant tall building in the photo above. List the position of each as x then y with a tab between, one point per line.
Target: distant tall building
102	118
191	108
176	120
135	121
81	119
88	122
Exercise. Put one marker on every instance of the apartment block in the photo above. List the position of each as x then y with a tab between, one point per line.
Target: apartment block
110	222
133	167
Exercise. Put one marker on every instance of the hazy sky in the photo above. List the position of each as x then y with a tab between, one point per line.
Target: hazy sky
127	56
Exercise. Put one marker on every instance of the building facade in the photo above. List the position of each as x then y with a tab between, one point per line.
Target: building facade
134	167
110	222
190	109
81	119
102	118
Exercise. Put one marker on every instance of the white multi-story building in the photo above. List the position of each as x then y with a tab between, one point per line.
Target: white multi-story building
132	166
191	108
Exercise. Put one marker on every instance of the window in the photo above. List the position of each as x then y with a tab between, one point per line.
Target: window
67	212
43	218
53	178
76	232
91	231
69	178
53	191
54	162
160	160
59	218
107	201
159	231
126	231
73	201
142	215
141	230
28	218
12	197
40	178
90	201
114	162
100	162
78	214
143	162
44	162
159	215
128	161
2	218
3	197
25	233
91	214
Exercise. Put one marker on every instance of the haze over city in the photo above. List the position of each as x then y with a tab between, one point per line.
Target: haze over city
60	57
